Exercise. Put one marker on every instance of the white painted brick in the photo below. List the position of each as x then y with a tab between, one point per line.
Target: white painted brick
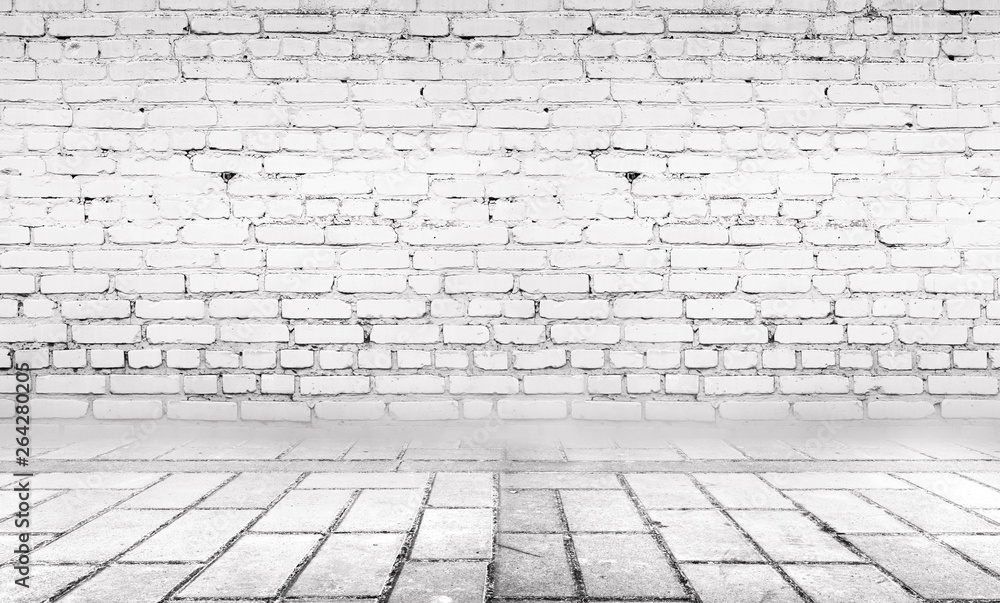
724	189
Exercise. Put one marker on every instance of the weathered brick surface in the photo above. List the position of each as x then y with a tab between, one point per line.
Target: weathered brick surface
299	210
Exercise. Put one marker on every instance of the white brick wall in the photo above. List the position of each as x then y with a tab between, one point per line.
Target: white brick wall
305	210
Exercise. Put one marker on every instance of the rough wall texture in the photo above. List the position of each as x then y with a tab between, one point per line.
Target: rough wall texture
413	209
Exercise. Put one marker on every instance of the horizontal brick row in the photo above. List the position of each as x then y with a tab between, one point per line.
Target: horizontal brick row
500	6
703	360
510	408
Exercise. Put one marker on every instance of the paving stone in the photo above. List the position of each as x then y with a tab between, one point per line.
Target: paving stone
847	584
845	512
273	557
625	565
533	565
100	480
990	479
703	535
250	491
455	581
80	450
866	451
560	481
144	583
816	480
532	511
706	448
982	548
363	480
959	490
45	581
928	512
382	511
927	567
601	511
619	454
10	542
194	536
771	450
304	511
368	451
454	454
318	449
454	534
9	499
349	565
105	537
141	450
68	509
739	584
742	491
790	536
993	514
462	490
177	491
667	491
221	451
534	454
939	449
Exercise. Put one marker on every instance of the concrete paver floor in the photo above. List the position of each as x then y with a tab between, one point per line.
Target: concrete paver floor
333	519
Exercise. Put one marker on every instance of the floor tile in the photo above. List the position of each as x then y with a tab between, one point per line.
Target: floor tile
44	581
625	565
250	491
462	490
667	491
845	512
817	480
273	557
382	511
981	548
742	491
561	481
959	490
928	512
601	511
458	581
177	491
790	536
532	511
454	534
68	509
533	565
927	567
703	535
349	565
364	480
105	537
739	584
847	584
304	511
144	583
193	537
